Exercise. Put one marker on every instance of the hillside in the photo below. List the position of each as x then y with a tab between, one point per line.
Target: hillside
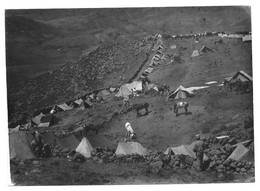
43	40
62	55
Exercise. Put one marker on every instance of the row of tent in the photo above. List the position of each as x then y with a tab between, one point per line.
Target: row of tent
46	120
20	148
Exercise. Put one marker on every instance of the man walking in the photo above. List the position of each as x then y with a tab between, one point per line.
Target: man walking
199	148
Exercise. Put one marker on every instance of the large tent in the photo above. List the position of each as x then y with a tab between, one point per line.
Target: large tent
241	152
184	150
243	76
19	146
125	90
181	93
130	148
84	148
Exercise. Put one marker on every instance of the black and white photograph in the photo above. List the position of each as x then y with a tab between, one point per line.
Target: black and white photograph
129	95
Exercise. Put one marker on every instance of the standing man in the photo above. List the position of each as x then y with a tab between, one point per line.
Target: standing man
37	143
129	130
199	148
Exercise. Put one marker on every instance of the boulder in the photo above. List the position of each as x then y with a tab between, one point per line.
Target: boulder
188	160
235	116
177	163
157	164
182	166
65	150
109	153
233	165
100	161
243	170
35	162
95	158
105	159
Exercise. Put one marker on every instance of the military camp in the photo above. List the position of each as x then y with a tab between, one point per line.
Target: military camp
126	96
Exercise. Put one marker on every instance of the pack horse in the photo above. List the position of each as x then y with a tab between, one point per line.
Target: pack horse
180	105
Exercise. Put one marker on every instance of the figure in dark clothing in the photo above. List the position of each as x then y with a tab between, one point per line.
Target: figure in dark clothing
37	143
199	148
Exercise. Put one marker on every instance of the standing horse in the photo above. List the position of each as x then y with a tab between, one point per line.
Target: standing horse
139	107
179	105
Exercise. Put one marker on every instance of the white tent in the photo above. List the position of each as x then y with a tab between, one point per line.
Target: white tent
246	38
125	90
84	148
130	148
195	53
181	93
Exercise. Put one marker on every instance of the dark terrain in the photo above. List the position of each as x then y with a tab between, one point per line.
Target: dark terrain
55	55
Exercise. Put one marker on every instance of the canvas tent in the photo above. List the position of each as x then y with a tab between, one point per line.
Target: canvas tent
46	121
181	93
125	90
240	153
85	148
19	146
64	107
84	105
37	119
243	76
78	102
184	150
195	53
103	94
205	49
130	148
246	38
149	70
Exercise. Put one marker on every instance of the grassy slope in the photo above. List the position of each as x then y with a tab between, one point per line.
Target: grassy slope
81	29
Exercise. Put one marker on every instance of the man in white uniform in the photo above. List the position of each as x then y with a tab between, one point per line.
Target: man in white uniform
129	130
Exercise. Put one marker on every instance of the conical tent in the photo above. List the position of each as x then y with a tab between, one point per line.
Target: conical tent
180	93
130	148
46	121
195	53
205	49
19	146
84	105
85	148
240	153
123	91
241	75
37	119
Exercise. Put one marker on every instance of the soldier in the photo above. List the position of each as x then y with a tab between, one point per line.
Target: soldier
129	131
199	148
37	143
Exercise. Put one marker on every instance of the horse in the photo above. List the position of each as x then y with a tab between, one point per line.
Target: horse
163	88
139	107
180	105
